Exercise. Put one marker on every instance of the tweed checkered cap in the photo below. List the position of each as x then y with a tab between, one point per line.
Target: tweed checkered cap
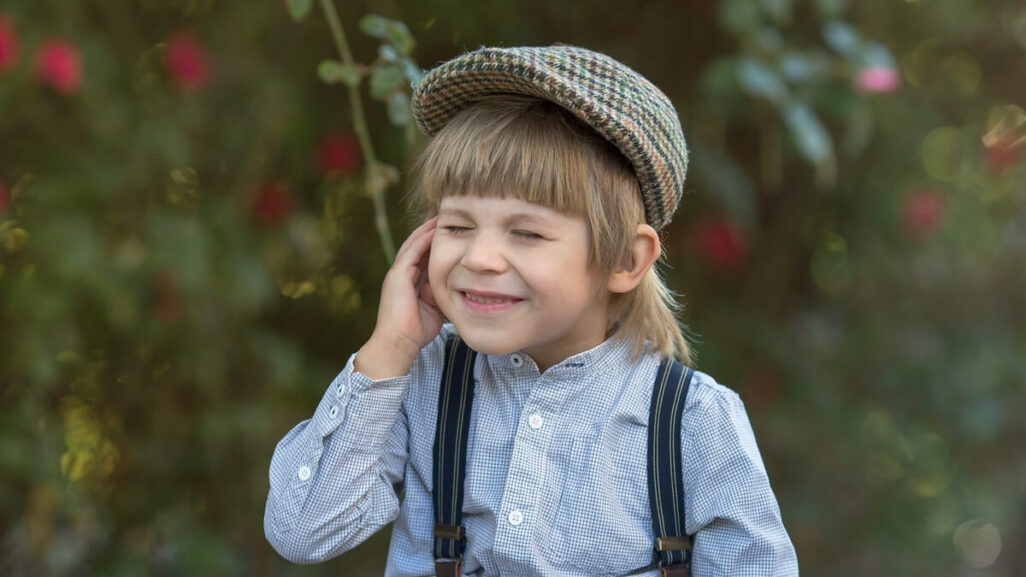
616	101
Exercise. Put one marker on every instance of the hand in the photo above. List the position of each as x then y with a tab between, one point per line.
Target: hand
408	317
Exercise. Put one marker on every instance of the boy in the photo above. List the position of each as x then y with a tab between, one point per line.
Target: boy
548	176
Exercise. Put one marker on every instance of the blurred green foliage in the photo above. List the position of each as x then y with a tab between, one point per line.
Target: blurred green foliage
188	254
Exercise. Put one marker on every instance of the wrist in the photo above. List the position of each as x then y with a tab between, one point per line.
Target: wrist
384	356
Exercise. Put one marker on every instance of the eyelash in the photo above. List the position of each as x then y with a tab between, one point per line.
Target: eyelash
526	235
521	234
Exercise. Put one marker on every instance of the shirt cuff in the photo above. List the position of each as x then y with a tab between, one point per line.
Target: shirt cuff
352	393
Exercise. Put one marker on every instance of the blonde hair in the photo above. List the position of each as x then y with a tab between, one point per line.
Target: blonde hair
531	149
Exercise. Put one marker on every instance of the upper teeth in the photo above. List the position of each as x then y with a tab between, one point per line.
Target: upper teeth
486	300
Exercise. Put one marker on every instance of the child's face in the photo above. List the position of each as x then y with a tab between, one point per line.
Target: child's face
511	275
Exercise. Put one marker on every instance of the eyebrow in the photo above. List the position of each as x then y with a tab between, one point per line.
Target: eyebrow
514	218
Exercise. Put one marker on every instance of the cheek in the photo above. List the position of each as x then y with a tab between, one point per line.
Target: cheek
437	272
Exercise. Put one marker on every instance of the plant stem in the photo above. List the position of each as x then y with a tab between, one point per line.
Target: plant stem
377	184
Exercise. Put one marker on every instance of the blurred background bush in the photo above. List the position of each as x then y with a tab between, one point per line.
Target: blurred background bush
192	243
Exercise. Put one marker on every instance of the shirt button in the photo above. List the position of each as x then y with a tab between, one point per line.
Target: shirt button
516	359
333	412
516	517
304	473
340	389
535	421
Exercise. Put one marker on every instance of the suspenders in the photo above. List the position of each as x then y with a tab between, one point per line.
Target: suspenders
665	479
665	476
455	397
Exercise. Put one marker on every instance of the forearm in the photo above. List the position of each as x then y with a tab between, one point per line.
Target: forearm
332	476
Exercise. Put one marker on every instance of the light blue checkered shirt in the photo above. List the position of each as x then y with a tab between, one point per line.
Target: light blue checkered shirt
556	480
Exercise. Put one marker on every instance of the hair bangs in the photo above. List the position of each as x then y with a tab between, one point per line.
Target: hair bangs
511	146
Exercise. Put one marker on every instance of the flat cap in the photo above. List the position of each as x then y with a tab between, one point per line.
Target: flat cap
617	102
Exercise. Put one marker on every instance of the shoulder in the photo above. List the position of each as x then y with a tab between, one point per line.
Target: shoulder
704	394
715	426
713	411
707	394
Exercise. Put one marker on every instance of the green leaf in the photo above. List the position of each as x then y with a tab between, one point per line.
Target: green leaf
799	67
400	37
411	70
333	72
399	108
769	39
298	9
841	37
739	17
330	71
830	8
759	80
351	75
876	54
375	26
388	52
810	136
394	32
779	10
385	79
720	79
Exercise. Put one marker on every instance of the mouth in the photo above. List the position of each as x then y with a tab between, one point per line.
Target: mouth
480	301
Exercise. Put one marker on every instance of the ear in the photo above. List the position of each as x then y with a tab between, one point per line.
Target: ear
642	255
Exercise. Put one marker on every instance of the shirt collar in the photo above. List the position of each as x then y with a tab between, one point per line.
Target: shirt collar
572	371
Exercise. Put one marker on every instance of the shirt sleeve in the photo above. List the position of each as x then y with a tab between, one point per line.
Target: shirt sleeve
335	478
731	509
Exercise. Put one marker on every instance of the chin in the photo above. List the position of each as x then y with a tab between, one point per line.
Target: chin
483	344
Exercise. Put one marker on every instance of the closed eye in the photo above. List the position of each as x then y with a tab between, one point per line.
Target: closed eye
527	235
453	229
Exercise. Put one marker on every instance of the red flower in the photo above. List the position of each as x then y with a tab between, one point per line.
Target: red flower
8	44
169	307
5	198
59	64
722	244
339	153
273	204
186	62
922	212
877	79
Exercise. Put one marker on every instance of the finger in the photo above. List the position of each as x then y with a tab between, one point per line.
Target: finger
414	261
424	263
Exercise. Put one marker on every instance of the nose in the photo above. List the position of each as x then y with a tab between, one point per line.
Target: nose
483	255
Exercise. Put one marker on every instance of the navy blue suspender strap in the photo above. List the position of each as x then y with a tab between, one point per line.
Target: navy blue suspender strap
665	474
455	398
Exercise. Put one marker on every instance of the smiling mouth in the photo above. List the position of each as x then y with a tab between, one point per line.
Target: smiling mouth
488	302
